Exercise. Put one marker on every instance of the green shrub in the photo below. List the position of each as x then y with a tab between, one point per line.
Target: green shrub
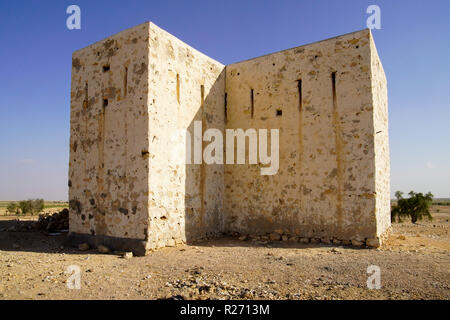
25	206
12	207
416	206
31	206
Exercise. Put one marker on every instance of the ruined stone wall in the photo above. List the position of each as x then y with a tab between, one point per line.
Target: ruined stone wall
325	187
185	86
108	173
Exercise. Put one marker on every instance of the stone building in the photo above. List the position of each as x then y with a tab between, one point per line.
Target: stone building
132	91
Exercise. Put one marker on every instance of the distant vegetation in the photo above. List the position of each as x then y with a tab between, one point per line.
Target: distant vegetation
441	202
31	206
415	207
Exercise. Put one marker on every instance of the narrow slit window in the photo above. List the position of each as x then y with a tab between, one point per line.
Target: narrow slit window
202	94
178	88
125	82
300	96
86	95
106	68
105	103
252	103
279	112
226	106
333	86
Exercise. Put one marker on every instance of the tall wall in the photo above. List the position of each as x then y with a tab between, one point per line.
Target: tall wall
135	95
381	141
185	86
108	172
326	184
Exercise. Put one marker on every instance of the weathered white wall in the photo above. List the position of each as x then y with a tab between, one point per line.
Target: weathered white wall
185	201
325	187
381	141
127	175
108	176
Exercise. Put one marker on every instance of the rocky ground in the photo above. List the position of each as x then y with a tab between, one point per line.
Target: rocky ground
414	264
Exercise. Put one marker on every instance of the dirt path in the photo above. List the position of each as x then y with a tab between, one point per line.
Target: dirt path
414	264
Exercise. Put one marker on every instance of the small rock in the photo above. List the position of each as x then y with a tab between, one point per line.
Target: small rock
357	243
375	243
285	238
83	246
127	255
401	237
274	236
103	249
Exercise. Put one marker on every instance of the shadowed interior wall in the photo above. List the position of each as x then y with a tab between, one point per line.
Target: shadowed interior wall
185	86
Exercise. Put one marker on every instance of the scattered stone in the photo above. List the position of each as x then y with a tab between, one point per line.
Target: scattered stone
83	246
374	243
401	237
334	250
54	222
127	255
357	243
103	249
274	236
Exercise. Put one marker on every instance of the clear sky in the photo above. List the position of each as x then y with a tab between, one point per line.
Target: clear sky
35	65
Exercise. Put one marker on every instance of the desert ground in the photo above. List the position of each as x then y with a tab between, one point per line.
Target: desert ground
414	264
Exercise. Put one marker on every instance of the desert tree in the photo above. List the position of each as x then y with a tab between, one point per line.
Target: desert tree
12	207
416	207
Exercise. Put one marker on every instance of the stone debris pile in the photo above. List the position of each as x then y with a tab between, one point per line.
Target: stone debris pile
55	222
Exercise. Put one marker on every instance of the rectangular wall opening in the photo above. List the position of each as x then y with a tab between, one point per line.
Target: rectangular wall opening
252	103
178	88
300	97
106	68
125	83
86	96
226	106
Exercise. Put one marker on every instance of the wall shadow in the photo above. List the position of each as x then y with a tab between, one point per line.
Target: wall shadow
204	183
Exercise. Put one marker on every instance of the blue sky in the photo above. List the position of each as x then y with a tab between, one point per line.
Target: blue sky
35	65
